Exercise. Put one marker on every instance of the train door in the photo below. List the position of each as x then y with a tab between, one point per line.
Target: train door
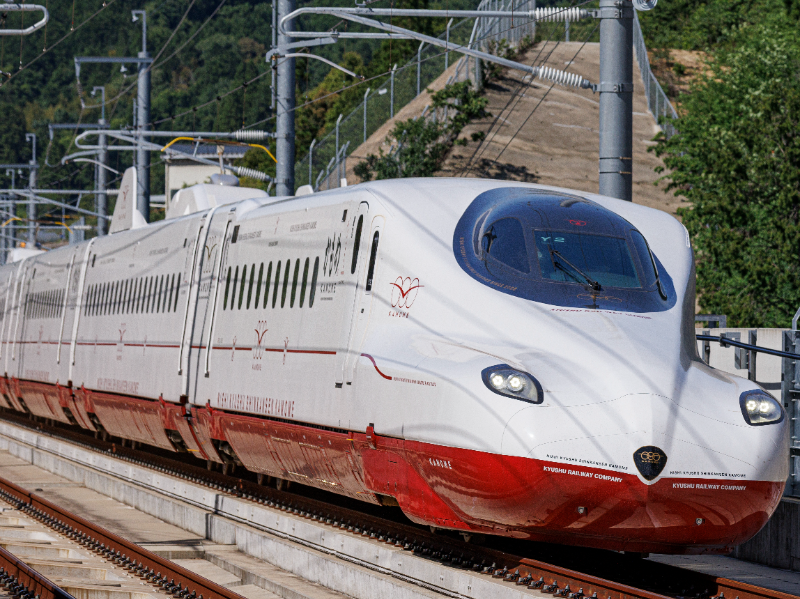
355	264
364	292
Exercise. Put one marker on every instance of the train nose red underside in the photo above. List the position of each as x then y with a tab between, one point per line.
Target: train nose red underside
556	502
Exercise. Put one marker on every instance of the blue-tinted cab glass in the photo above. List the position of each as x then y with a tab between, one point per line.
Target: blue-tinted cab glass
505	242
606	260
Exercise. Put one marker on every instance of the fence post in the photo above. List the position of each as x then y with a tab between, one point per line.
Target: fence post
447	41
419	67
566	31
391	93
366	94
311	160
339	120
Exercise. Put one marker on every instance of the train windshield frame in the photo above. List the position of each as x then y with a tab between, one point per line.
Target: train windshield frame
561	250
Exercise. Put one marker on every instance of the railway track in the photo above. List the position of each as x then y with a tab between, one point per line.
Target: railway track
552	570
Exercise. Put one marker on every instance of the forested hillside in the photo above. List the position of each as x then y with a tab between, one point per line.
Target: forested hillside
205	49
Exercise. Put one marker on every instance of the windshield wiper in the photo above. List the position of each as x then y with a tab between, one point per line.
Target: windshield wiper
592	283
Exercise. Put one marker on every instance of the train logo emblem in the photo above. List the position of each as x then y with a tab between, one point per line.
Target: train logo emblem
261	330
650	461
404	292
578	223
333	252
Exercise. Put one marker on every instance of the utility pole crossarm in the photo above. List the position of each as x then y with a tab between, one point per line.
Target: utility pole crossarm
108	60
15	7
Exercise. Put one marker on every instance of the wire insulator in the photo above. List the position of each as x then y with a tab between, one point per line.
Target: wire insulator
559	14
244	171
250	135
562	77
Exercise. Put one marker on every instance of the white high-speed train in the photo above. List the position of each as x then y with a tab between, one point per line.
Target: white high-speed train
492	357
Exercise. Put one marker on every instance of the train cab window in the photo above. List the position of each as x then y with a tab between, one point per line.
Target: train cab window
250	285
241	289
313	283
294	283
277	283
357	244
286	274
373	254
504	241
560	249
576	257
227	289
266	284
305	282
258	286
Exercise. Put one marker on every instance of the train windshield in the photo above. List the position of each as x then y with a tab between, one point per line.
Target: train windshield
574	257
561	250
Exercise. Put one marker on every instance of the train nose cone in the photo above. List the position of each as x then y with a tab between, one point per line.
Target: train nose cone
650	461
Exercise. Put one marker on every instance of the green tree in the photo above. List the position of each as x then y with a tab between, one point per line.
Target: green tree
736	158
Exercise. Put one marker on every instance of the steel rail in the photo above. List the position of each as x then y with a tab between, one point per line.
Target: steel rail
139	561
723	341
20	579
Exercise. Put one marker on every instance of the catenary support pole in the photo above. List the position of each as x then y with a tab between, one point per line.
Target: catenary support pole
616	98
32	185
102	182
143	124
285	109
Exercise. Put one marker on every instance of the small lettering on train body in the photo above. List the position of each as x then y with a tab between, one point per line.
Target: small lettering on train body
440	463
327	288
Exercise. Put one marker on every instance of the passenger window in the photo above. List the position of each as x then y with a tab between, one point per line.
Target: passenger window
241	289
266	285
227	289
160	295
286	274
313	283
373	253
171	285
505	242
277	283
250	285
305	281
258	285
357	244
294	283
148	302
177	291
233	289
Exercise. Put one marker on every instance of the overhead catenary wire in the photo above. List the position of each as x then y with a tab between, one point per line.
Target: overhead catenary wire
105	5
516	97
540	101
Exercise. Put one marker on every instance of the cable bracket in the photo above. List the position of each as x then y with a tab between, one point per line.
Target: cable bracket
616	88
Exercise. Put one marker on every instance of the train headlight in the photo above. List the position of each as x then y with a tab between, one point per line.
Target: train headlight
510	382
759	407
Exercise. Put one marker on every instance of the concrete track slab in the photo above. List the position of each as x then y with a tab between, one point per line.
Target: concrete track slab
735	569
